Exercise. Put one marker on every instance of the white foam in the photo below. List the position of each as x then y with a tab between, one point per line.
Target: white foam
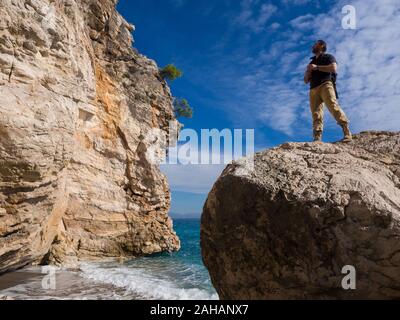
68	286
145	284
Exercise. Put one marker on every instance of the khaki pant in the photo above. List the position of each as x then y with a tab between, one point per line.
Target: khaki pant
325	93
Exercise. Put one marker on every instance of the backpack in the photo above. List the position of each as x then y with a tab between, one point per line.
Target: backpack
334	78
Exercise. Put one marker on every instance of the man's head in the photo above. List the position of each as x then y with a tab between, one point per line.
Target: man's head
319	47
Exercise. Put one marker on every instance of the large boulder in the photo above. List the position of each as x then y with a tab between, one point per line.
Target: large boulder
305	219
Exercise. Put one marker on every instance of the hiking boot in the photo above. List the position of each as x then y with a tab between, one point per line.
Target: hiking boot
317	136
347	134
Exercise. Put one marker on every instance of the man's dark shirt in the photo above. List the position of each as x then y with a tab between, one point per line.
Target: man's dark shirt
319	77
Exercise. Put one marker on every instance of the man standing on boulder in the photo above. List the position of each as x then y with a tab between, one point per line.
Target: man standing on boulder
321	74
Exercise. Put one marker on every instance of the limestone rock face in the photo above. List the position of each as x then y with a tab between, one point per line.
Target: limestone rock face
286	229
80	113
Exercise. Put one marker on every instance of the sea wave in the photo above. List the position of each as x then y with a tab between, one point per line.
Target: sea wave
145	283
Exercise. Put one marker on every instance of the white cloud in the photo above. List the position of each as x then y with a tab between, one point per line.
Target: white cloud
275	26
303	22
199	178
192	178
296	2
178	3
254	16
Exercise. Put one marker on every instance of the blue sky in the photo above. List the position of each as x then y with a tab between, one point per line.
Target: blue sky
243	64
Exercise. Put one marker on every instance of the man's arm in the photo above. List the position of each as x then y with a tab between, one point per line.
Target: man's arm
307	76
329	68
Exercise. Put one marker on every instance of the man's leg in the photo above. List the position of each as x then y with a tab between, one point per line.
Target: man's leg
329	97
317	112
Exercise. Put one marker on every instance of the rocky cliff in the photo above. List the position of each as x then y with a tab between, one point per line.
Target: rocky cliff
286	229
79	113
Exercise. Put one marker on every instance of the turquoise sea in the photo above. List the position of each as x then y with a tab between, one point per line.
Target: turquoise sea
179	275
167	276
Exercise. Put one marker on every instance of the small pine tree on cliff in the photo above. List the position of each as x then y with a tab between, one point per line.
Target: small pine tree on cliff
170	72
182	108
